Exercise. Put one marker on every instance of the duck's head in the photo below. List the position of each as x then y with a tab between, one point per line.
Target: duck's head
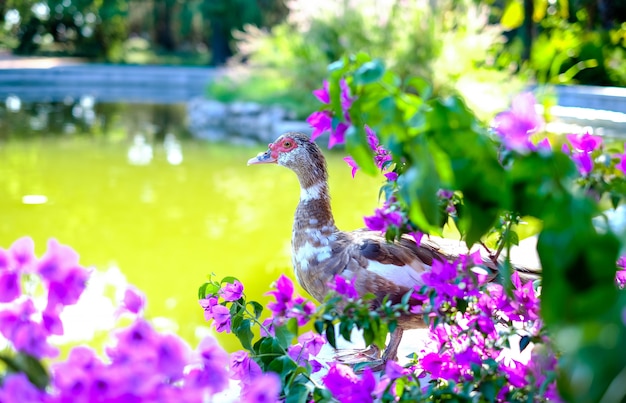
296	152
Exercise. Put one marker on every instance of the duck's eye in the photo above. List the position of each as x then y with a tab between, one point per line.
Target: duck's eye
287	144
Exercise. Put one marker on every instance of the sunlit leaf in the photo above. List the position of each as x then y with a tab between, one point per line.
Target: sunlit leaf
513	16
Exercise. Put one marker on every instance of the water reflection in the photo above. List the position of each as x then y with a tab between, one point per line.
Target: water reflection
86	116
140	152
194	209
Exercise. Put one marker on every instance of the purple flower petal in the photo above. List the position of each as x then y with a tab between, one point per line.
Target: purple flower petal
585	142
243	368
232	291
23	252
323	94
134	300
350	161
338	136
264	389
321	122
391	176
9	286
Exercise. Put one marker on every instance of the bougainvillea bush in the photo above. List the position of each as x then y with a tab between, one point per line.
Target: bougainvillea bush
140	364
556	338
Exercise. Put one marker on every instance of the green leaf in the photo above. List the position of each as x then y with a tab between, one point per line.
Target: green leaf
319	326
461	304
284	335
488	391
330	335
369	72
524	342
28	365
297	393
208	289
345	329
229	279
244	334
268	349
423	88
257	309
513	15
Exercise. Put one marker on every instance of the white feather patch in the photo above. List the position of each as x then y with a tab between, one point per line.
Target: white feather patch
312	192
307	252
401	275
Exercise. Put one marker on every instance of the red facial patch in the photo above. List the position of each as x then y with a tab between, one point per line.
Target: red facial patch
282	146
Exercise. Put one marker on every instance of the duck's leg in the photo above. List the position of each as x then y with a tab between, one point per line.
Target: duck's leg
391	352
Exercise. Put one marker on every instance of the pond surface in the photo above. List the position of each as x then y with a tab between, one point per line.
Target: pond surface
127	187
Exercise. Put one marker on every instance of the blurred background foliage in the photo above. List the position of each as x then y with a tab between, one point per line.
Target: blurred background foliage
279	49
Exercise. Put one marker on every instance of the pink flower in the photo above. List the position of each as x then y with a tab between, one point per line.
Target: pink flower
323	121
283	295
264	389
583	145
345	288
221	316
517	124
585	142
243	368
391	176
346	386
382	219
232	291
208	304
323	94
134	300
350	161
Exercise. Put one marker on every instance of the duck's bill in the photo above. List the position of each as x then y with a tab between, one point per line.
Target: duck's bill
262	158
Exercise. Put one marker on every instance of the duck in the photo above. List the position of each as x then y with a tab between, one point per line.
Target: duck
321	251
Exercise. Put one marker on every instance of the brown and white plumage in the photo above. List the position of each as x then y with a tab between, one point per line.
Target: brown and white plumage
320	251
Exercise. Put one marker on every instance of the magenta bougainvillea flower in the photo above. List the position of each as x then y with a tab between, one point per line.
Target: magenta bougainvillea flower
264	389
582	147
232	291
382	157
243	368
283	295
353	165
134	300
516	125
347	387
345	288
322	121
383	218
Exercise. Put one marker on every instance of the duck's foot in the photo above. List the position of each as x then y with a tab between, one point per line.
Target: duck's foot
353	357
375	366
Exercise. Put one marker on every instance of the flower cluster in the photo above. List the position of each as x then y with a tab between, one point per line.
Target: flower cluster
289	305
322	121
516	125
21	321
382	157
583	145
140	364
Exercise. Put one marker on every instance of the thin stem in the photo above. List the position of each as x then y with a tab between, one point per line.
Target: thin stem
504	242
266	330
493	257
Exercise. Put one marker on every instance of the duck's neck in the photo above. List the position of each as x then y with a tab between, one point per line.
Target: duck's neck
314	227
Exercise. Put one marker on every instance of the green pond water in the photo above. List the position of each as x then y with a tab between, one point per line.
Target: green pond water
167	224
